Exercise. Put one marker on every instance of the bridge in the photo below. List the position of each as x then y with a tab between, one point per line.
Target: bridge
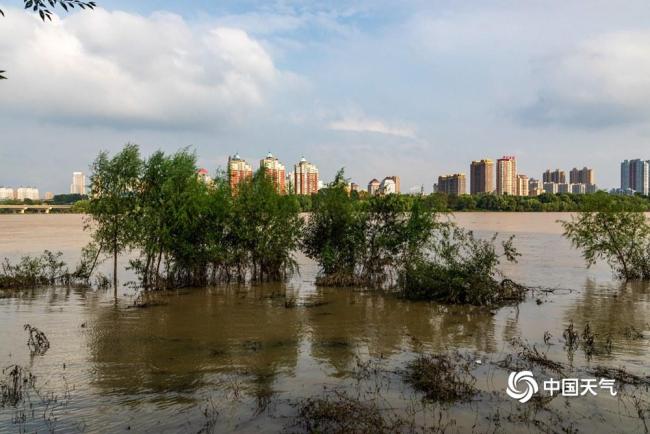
21	209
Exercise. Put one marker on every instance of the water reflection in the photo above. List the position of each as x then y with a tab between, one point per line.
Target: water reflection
178	346
614	310
197	337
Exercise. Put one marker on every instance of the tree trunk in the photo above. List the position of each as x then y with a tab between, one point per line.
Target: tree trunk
115	271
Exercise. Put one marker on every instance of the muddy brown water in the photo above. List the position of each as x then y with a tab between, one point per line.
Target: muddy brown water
235	358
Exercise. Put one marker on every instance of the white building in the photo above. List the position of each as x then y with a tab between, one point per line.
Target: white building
78	185
23	193
388	186
7	193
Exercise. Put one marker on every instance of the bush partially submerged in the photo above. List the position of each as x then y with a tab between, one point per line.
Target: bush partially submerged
34	271
338	413
14	383
48	269
461	269
441	377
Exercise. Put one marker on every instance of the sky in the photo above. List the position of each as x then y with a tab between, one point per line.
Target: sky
415	88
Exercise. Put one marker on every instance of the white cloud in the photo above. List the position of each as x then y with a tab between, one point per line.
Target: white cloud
117	67
362	124
604	81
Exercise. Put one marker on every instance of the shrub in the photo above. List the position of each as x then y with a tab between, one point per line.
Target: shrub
460	269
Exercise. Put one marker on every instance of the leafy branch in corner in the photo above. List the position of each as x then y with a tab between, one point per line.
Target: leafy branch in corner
43	8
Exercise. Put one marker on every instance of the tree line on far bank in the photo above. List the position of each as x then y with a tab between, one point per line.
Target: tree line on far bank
545	202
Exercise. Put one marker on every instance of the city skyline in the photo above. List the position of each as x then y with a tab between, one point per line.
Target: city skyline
418	91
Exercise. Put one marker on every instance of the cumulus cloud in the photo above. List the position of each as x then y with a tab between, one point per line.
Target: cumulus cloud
363	124
604	81
118	67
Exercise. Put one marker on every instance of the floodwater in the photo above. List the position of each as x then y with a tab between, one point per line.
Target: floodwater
236	358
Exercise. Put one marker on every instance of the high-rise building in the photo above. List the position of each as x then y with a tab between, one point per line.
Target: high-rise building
582	176
453	185
535	187
563	187
578	188
49	195
238	171
373	187
507	175
23	193
204	176
78	185
558	176
389	184
394	184
522	185
305	178
7	193
275	171
635	176
481	176
550	187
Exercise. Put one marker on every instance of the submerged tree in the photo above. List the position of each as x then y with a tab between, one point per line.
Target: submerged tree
189	232
114	184
616	233
334	234
265	229
364	242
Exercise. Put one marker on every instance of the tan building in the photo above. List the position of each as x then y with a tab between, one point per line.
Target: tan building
373	187
481	177
582	176
305	178
49	195
522	185
7	193
204	176
238	171
507	175
453	185
535	187
275	171
78	185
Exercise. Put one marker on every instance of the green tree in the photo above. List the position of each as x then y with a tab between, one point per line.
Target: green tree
333	235
365	242
114	184
614	231
266	228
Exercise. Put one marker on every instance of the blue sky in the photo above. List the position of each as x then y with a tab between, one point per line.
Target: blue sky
412	88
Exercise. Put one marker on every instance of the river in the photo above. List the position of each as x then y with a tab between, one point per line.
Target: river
238	358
